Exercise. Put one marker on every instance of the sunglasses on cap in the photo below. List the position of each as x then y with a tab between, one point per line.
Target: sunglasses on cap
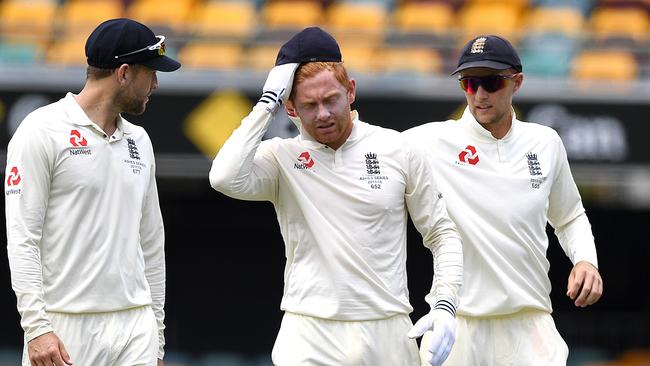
160	46
490	83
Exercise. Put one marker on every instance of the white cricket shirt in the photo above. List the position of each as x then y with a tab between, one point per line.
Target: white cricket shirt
501	193
343	216
84	228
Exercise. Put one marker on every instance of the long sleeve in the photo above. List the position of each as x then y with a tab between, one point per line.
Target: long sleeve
28	174
243	169
152	240
429	215
567	214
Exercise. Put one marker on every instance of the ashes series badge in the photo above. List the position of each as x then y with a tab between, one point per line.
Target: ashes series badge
373	173
134	154
535	170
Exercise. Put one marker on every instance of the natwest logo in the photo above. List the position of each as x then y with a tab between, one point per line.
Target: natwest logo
77	140
13	178
305	161
468	155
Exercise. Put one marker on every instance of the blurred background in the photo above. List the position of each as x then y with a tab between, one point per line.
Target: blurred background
587	75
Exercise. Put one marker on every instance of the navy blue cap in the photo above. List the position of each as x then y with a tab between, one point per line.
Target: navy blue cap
309	45
491	51
125	41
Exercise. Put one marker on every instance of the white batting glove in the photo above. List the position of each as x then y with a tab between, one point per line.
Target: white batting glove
443	326
278	85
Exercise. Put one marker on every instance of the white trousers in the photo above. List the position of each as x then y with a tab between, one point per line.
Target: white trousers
120	338
304	340
527	338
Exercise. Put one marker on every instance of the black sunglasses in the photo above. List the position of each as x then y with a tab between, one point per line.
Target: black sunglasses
490	84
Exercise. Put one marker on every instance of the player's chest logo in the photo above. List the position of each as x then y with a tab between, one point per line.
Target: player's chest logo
373	176
534	170
133	149
468	155
305	161
79	144
134	162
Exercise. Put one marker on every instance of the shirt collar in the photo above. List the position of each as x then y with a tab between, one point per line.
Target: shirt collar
480	132
80	118
122	127
75	112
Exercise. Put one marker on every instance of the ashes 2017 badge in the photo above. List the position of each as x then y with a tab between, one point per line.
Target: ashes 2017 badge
133	149
373	173
535	170
134	154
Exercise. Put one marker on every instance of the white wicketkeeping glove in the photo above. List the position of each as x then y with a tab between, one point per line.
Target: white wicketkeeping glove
277	87
443	327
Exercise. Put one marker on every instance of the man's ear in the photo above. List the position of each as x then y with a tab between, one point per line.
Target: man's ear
519	79
352	91
123	73
291	110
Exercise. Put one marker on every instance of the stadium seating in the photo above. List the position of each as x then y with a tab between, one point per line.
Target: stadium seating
246	34
218	19
280	19
172	16
19	53
555	19
30	20
360	57
80	17
547	54
261	57
290	14
362	22
604	65
411	61
620	22
208	55
416	18
67	52
584	6
481	18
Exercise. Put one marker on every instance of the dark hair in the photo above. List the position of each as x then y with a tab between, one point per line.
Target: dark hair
96	73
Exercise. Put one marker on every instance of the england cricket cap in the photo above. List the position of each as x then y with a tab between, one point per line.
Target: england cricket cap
125	41
492	52
309	45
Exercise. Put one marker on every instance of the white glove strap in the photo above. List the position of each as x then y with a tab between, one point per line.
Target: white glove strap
272	99
447	306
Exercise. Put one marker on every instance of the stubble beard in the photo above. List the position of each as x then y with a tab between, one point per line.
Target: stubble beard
131	105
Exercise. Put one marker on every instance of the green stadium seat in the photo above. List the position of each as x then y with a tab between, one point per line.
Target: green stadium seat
585	6
548	55
19	54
